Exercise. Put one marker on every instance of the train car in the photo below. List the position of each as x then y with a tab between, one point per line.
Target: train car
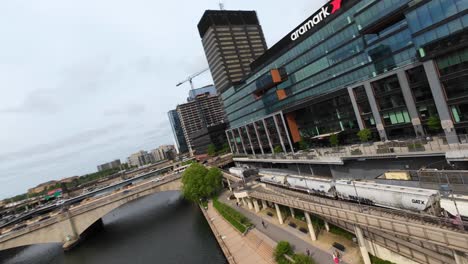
391	196
274	179
314	185
448	204
242	172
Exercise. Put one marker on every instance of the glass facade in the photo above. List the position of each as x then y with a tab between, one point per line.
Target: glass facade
356	44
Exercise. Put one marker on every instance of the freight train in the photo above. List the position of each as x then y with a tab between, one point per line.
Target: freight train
371	193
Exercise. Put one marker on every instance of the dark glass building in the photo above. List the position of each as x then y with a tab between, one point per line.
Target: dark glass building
177	131
231	40
387	65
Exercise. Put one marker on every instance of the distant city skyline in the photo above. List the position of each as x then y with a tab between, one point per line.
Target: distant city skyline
81	92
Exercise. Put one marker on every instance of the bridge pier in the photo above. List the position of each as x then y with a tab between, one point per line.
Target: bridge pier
278	213
327	227
293	215
229	185
460	258
256	206
70	235
264	204
313	236
362	245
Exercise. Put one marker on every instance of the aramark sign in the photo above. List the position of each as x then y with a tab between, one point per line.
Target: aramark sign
318	17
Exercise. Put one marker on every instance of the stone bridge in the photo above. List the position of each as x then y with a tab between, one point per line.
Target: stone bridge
67	226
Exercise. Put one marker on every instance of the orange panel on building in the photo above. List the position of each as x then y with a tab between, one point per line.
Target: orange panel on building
293	128
281	93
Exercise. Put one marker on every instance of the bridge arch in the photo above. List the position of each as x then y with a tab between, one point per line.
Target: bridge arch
68	226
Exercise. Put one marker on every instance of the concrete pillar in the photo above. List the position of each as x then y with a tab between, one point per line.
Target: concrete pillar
244	202
439	99
229	141
327	227
292	212
362	245
410	104
250	139
238	200
287	133
256	206
313	236
69	232
242	140
279	133
249	204
268	135
375	111
278	213
355	108
264	204
460	258
258	137
229	185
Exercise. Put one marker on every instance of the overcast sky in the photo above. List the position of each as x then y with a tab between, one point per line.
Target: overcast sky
85	82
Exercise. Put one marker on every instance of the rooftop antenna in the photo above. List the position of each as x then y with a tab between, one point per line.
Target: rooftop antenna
221	5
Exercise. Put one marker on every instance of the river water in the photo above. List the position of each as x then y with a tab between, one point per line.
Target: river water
162	228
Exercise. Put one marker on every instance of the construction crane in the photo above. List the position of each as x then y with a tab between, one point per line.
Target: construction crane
189	79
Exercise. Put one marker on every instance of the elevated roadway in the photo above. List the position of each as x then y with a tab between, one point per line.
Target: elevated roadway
424	238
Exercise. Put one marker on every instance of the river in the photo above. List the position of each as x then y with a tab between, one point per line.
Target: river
162	228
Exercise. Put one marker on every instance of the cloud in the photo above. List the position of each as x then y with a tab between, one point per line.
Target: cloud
129	110
82	138
40	101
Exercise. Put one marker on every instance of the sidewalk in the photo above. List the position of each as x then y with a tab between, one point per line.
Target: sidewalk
254	248
300	242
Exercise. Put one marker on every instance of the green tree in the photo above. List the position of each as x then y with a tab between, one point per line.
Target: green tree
302	259
334	140
364	135
303	144
282	248
433	123
199	182
278	149
211	150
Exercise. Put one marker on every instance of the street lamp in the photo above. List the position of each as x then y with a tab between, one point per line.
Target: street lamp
357	196
447	190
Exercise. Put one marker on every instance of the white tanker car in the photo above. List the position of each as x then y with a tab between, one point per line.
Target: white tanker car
390	196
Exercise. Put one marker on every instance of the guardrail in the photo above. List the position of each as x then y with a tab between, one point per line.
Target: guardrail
437	144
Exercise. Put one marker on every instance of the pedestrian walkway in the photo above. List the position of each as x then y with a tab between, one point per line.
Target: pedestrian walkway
253	248
320	252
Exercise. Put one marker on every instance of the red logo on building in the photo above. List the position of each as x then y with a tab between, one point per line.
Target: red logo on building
336	5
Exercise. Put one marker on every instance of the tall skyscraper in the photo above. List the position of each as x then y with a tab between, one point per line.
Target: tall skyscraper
209	89
177	131
231	40
198	115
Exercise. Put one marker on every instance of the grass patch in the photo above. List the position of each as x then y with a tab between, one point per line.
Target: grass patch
341	232
239	221
376	260
283	249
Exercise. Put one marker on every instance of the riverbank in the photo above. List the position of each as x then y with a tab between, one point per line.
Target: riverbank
252	248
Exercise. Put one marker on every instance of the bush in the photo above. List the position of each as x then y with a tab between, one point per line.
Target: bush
364	135
334	140
302	259
376	260
239	221
293	225
278	149
341	232
282	248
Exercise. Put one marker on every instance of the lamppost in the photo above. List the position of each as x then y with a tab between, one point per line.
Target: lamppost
447	189
357	196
